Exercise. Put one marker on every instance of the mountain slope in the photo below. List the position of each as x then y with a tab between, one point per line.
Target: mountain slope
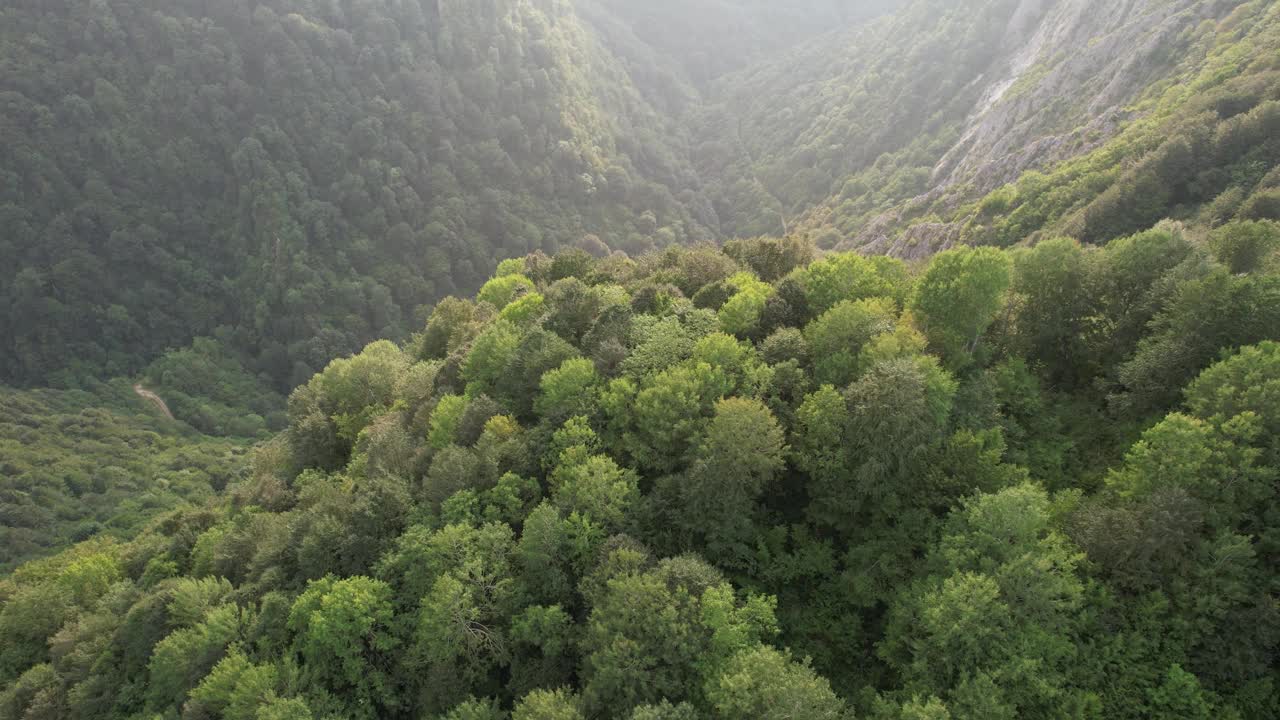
944	102
752	481
1203	148
81	464
304	175
702	40
296	179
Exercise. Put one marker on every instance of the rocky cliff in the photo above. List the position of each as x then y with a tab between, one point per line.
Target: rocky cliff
863	132
1073	72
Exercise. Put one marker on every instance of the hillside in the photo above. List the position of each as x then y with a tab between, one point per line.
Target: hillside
585	359
77	465
908	121
301	178
700	41
1007	484
296	180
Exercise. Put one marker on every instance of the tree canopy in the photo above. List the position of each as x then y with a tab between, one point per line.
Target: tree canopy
963	491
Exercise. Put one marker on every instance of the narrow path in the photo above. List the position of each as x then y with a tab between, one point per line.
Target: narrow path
154	399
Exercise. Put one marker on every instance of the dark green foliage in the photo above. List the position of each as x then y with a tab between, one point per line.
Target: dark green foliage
837	338
1244	247
206	387
1205	317
343	631
1051	282
770	258
300	179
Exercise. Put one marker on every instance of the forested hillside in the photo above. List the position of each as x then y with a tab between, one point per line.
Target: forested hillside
703	40
299	178
719	359
1205	150
1037	483
293	180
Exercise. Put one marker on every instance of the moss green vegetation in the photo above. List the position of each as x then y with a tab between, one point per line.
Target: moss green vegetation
76	464
857	128
1206	149
1037	483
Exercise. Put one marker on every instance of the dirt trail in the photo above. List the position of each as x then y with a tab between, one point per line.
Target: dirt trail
154	399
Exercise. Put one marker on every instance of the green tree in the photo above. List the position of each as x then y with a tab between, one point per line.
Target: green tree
490	354
327	414
765	683
569	390
1248	382
284	709
596	488
544	648
740	315
445	420
1130	283
1053	307
548	705
526	311
1205	316
771	258
995	620
1180	696
735	358
662	425
657	634
186	655
837	338
1245	246
473	709
236	689
344	637
453	323
958	298
850	277
539	352
896	415
742	453
502	290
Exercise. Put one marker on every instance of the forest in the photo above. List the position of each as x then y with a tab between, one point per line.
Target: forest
593	359
747	481
295	179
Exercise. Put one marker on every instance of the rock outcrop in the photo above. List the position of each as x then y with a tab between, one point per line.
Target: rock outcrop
1063	84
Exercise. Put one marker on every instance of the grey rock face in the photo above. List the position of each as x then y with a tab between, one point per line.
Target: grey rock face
1049	104
1063	87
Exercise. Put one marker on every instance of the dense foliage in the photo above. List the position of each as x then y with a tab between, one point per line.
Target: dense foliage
296	179
77	464
1033	476
1032	483
292	180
